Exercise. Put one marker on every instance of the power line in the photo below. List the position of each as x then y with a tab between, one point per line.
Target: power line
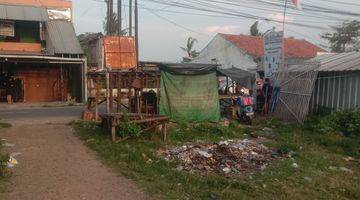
172	22
236	14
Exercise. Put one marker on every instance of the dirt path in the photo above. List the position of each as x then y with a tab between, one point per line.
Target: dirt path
55	165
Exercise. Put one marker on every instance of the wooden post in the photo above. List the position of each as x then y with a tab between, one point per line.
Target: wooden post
164	131
129	99
97	93
111	92
119	95
113	129
157	110
107	77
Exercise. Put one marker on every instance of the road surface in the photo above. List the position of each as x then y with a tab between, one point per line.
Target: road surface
53	163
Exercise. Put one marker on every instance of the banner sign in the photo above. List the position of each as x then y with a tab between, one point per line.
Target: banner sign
7	28
272	52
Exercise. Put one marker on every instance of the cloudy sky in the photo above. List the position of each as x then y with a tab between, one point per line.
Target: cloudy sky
164	28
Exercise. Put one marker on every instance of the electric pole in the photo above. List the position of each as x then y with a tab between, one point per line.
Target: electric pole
111	12
130	17
107	16
119	17
137	30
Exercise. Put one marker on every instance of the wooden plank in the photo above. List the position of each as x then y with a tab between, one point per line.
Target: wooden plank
164	131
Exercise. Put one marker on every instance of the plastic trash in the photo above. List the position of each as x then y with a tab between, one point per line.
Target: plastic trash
295	165
12	162
6	144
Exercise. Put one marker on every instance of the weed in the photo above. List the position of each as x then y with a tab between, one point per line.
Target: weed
127	129
346	122
4	125
313	179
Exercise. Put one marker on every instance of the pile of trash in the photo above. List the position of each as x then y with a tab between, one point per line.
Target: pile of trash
228	157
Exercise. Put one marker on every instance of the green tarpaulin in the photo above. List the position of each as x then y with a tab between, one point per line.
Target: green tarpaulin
189	92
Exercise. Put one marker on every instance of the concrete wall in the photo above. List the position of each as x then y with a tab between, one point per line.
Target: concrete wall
225	54
336	90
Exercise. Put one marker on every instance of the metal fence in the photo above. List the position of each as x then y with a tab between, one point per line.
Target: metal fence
336	90
296	86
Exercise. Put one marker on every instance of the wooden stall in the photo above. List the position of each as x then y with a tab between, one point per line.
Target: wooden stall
133	91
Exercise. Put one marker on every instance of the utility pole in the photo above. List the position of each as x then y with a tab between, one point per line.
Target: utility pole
107	16
119	17
111	12
137	30
130	17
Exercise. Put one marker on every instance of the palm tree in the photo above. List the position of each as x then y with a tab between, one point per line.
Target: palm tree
114	28
191	53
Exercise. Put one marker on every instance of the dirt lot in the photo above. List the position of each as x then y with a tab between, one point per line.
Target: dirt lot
54	164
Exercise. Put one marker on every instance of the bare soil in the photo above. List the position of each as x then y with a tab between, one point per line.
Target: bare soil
54	164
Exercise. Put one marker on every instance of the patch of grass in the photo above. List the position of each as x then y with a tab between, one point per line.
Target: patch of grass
4	125
4	173
314	153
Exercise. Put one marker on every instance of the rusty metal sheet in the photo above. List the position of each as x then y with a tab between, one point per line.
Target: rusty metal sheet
119	52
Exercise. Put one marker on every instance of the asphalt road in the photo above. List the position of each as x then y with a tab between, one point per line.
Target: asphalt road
30	115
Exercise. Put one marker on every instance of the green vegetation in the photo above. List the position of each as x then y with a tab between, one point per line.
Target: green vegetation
346	122
127	129
324	170
4	125
3	160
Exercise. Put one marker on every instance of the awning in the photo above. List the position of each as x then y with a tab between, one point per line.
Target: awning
244	78
61	38
187	68
25	13
40	59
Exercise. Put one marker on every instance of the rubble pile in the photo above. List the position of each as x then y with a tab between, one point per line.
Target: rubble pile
228	157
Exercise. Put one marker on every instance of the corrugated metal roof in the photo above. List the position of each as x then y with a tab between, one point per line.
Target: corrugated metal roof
330	62
62	38
26	13
338	62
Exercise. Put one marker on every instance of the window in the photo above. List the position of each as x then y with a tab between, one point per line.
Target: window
7	29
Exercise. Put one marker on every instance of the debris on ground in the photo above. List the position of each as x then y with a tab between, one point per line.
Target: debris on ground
266	129
349	159
344	169
225	157
12	162
295	165
306	178
6	144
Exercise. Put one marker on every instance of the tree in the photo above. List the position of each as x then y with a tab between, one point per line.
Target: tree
345	37
189	49
114	30
254	30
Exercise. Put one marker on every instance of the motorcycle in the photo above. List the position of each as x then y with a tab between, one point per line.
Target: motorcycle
246	114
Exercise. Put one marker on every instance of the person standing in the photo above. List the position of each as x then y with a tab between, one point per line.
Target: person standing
267	90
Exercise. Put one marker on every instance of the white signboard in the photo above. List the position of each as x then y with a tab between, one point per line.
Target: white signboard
272	52
7	28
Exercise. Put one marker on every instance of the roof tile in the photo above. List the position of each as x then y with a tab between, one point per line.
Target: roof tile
253	45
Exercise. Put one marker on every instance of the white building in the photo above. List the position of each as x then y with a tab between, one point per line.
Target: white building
246	52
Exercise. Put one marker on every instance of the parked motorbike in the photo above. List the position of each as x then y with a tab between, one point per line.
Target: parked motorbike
246	114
